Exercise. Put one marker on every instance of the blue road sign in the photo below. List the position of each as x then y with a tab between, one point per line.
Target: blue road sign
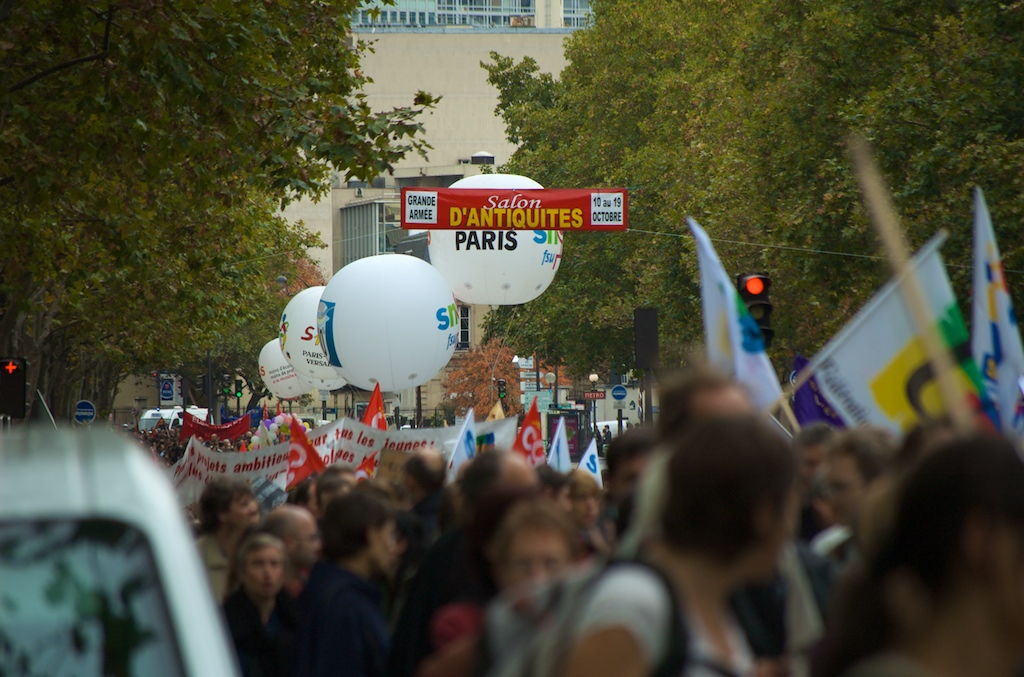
619	393
85	412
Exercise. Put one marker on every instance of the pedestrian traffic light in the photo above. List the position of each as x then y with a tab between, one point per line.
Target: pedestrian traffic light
753	289
238	388
502	392
12	387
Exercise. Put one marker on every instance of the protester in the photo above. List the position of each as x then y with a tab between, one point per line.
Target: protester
554	485
730	507
810	443
944	595
259	614
535	542
304	495
627	457
336	480
342	631
446	574
227	509
298	531
855	459
587	503
424	475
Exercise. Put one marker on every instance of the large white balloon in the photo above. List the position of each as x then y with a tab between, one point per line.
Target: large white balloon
497	268
388	319
300	341
281	379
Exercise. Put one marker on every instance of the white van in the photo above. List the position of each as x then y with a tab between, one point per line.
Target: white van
170	416
94	547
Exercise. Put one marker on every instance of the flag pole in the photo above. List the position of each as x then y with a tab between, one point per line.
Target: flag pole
886	222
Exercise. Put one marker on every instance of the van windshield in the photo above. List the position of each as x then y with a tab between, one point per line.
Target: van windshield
82	597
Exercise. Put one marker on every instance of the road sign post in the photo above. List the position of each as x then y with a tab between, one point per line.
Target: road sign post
85	412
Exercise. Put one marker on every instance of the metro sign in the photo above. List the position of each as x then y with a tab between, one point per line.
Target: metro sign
593	394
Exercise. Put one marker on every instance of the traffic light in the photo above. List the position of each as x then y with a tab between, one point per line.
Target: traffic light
12	387
753	290
502	392
238	388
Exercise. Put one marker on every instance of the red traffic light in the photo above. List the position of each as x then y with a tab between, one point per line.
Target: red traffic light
754	285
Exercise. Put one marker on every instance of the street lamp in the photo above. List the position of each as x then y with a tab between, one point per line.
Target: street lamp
592	422
550	379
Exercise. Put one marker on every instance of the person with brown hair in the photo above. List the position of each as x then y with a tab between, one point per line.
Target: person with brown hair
342	630
227	509
730	508
944	593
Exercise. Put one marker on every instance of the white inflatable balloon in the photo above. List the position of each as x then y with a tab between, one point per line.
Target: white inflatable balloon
498	268
389	319
300	341
281	379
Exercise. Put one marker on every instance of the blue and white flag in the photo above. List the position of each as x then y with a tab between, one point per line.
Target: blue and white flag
465	446
590	463
732	337
995	336
558	456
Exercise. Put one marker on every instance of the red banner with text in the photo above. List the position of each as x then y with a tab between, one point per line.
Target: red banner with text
600	209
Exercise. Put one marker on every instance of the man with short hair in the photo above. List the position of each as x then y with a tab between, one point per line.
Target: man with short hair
809	444
336	480
299	533
424	475
227	508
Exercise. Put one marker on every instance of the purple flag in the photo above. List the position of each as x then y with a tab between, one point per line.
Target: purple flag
809	405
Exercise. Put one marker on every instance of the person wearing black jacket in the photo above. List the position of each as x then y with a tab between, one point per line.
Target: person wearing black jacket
259	614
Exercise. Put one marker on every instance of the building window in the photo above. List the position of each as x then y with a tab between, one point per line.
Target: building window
464	325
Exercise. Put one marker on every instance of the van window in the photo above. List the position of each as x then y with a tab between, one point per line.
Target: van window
82	597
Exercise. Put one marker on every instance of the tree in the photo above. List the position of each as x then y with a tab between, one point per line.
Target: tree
473	377
145	150
738	115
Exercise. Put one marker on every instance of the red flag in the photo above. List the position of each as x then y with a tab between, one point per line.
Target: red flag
529	442
303	460
374	415
278	408
367	467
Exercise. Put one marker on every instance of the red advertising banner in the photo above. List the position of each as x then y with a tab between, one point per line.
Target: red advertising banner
600	209
190	425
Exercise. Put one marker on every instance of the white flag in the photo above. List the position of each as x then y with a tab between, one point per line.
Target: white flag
558	456
733	339
590	463
465	446
876	370
995	336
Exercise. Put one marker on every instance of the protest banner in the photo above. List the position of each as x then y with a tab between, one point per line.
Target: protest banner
200	464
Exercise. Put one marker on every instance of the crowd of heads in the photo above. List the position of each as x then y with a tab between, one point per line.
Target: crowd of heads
881	543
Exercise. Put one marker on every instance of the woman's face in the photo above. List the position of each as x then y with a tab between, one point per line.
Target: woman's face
586	508
533	556
262	576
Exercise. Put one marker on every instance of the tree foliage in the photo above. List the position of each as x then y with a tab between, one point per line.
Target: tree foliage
145	151
737	114
472	379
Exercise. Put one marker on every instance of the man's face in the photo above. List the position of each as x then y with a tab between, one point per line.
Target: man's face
627	476
812	458
304	545
383	545
263	573
243	513
846	487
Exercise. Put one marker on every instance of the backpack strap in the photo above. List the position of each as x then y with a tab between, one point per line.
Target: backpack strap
677	655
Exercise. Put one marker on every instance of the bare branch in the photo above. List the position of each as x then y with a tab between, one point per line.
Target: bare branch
73	62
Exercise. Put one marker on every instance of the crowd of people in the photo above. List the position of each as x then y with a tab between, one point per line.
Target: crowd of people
717	547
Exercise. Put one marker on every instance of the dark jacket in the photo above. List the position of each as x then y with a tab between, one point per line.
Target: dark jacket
446	575
428	511
263	650
342	631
